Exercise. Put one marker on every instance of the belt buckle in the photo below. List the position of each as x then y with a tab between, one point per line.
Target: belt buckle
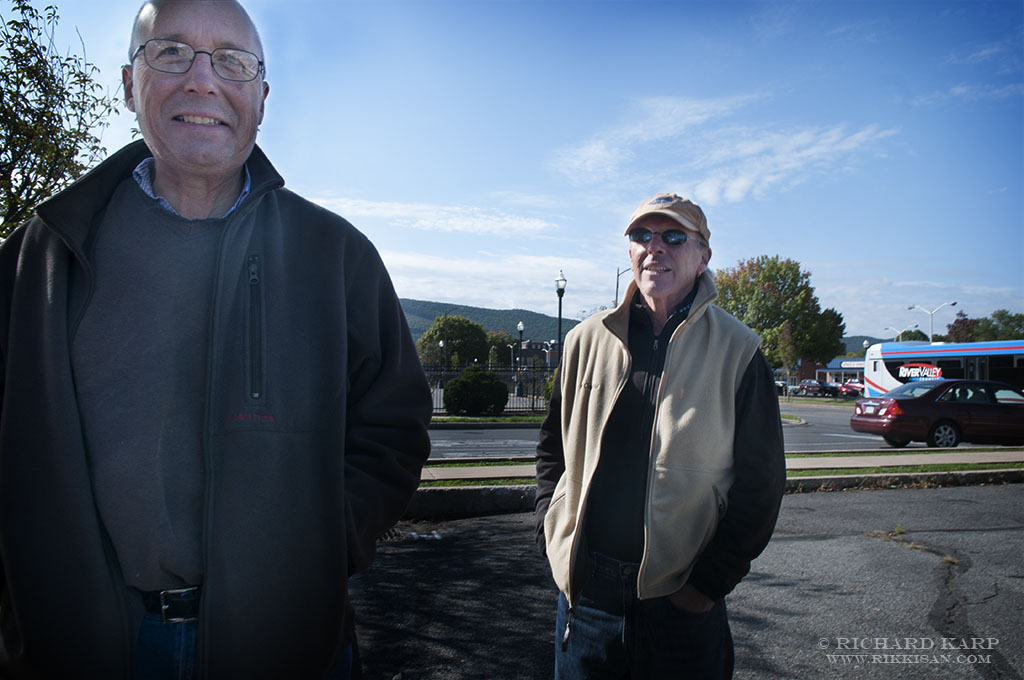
166	603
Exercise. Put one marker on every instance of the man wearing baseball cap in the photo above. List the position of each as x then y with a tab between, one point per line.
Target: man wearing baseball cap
660	465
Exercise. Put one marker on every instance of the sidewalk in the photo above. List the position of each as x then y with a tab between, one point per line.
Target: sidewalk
479	498
823	462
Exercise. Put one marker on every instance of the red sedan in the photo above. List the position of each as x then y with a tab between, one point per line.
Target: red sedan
944	413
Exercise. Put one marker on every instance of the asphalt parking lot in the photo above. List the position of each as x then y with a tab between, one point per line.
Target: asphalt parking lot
909	583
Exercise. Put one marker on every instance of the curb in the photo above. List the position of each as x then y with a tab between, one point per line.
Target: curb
488	425
455	502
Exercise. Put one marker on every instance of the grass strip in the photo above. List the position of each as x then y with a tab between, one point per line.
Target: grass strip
524	418
790	474
897	452
945	467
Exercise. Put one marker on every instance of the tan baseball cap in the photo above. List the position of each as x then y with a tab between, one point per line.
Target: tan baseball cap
682	210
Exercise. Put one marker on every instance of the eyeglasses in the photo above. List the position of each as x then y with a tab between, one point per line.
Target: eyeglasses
671	237
171	56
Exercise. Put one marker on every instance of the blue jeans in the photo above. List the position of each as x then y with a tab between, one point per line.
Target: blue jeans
167	651
613	634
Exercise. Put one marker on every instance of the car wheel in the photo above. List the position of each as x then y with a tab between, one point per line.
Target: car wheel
944	434
896	443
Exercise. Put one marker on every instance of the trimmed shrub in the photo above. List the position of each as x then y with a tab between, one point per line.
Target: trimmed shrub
475	392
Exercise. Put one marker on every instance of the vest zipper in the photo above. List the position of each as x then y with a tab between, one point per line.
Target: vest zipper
565	636
255	328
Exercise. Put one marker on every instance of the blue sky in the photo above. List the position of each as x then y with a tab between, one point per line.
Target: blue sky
485	145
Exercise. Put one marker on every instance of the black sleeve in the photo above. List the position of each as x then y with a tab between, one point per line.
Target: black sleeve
759	464
389	407
550	460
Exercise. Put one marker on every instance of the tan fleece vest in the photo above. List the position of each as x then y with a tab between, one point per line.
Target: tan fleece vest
691	448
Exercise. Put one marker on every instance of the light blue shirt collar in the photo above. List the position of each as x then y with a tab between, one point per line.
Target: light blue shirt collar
143	174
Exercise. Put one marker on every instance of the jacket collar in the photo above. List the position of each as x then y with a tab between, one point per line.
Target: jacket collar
617	320
72	212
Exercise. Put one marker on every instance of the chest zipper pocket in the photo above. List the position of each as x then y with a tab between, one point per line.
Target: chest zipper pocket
255	328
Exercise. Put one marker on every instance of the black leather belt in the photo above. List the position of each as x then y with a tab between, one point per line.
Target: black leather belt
175	606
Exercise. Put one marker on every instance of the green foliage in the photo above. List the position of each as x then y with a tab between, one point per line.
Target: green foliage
539	327
52	113
914	334
766	293
1002	325
464	342
498	353
549	386
475	392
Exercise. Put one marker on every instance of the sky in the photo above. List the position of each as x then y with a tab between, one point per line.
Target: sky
484	146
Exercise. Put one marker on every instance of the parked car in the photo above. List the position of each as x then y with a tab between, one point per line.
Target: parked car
851	388
944	413
816	388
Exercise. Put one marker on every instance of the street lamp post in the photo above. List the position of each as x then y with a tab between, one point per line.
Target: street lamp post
519	327
899	334
560	289
444	363
618	275
511	357
931	314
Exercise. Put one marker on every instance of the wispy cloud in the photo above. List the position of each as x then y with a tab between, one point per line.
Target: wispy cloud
440	218
684	142
652	121
745	162
862	32
1005	55
972	93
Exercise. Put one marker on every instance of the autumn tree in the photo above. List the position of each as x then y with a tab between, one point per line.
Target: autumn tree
963	328
464	342
767	293
52	112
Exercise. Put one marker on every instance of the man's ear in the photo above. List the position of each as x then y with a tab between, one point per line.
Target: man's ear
263	102
127	83
704	259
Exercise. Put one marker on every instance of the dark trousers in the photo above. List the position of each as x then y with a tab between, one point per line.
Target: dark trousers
167	651
612	634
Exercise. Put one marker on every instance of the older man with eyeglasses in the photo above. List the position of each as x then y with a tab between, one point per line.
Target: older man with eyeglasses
210	401
660	465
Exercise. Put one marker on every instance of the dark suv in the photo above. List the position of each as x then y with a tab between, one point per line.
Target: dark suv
816	388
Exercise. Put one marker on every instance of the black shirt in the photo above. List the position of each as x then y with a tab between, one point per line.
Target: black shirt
615	506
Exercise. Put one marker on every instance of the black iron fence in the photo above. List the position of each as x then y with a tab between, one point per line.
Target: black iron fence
525	387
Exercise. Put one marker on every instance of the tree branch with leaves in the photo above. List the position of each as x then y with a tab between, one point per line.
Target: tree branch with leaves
774	297
52	113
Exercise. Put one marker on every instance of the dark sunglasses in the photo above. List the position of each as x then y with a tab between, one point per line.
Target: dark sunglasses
671	237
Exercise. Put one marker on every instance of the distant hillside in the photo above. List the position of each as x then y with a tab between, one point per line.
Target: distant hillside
537	327
855	344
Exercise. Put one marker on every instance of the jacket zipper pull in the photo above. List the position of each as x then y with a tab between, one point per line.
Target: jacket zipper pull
565	636
656	344
254	271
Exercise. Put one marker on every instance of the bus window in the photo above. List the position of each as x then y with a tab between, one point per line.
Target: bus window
951	368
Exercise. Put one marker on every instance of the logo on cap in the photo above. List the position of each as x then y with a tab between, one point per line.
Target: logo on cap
662	199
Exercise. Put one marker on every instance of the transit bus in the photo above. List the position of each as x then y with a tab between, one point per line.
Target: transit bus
888	365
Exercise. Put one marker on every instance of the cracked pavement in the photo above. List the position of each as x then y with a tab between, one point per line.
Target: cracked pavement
908	583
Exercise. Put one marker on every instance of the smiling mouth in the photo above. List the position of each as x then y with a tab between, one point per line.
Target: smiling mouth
199	120
656	269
